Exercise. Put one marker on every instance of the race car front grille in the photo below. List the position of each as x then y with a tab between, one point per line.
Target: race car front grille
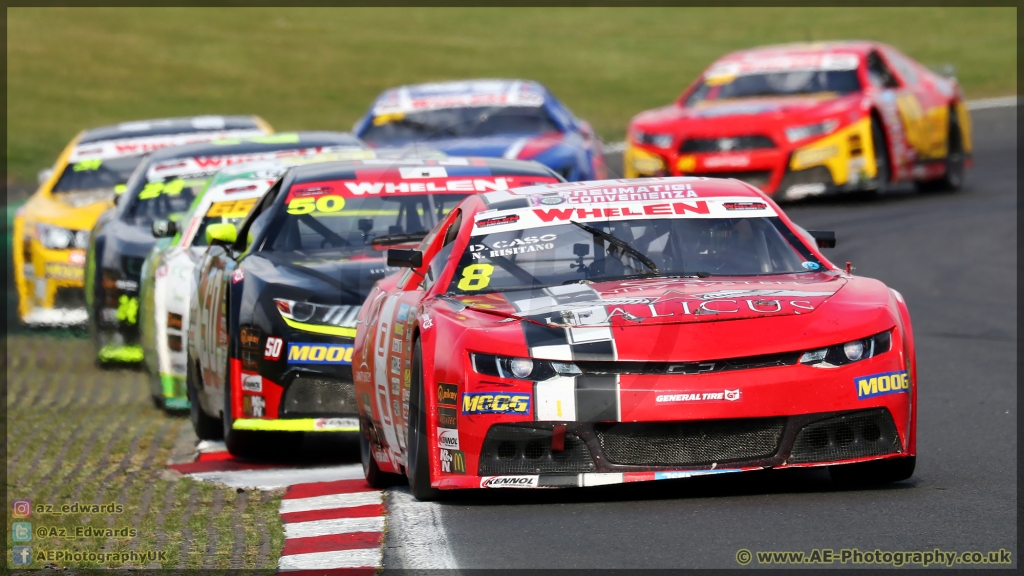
698	145
815	175
513	449
865	433
689	443
683	368
67	297
308	396
752	177
132	266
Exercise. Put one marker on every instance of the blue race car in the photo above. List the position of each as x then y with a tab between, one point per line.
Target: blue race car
514	119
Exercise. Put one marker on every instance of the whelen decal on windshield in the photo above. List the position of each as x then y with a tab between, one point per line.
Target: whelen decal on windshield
107	149
394	183
210	164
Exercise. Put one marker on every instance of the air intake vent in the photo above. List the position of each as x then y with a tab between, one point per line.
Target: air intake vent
309	396
689	443
510	449
698	145
866	433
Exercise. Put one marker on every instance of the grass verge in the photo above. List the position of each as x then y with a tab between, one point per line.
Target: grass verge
79	435
319	68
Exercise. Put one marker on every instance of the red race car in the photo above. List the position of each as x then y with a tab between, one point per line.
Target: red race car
593	333
810	119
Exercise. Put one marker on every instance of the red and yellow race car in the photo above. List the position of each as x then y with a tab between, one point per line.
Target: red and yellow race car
617	331
810	119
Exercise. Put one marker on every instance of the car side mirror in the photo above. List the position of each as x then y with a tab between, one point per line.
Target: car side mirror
221	234
44	175
164	229
405	258
824	238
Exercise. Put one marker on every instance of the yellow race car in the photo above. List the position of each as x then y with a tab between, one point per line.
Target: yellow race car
51	231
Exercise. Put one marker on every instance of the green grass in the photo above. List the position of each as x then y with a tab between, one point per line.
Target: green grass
320	68
76	434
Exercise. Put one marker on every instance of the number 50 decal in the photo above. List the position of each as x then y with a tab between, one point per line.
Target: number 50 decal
273	349
330	203
476	277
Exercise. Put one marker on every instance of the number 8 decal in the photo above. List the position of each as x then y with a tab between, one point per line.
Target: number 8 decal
476	277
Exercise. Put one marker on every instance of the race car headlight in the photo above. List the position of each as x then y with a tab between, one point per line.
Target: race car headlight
657	140
57	238
322	314
797	133
522	368
848	352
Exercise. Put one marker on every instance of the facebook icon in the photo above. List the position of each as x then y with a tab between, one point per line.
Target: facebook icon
21	555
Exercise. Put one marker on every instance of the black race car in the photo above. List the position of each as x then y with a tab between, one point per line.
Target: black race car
272	315
163	187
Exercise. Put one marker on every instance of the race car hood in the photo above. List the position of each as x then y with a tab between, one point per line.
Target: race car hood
749	113
75	211
690	319
131	241
323	277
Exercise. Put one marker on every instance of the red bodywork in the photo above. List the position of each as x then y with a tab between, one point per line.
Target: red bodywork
913	109
760	315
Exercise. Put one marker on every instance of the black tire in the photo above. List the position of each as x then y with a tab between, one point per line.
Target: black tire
158	402
883	164
417	457
874	473
374	476
956	162
206	427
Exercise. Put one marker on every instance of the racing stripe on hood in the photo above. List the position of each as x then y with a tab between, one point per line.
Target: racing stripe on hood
579	307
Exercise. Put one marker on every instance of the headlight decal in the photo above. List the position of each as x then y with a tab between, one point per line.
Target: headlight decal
848	352
798	133
334	320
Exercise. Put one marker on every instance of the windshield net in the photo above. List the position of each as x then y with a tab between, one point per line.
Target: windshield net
599	251
473	122
93	175
776	84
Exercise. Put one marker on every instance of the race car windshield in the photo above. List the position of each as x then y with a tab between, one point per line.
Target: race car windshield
159	199
604	251
776	84
474	122
92	175
351	224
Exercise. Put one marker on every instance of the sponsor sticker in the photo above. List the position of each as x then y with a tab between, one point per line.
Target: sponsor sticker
174	321
253	406
447	417
252	382
496	403
396	365
313	353
716	396
453	461
76	258
346	424
396	385
62	271
447	394
509	481
882	384
403	312
249	336
448	438
497	221
237	276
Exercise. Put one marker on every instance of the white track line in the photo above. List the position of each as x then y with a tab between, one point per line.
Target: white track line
280	478
416	534
364	557
331	501
334	526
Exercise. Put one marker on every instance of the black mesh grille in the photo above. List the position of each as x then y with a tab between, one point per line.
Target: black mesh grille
659	368
512	449
132	266
69	298
752	177
689	443
697	145
318	396
816	175
867	433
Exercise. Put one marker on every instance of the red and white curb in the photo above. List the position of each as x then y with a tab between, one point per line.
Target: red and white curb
333	521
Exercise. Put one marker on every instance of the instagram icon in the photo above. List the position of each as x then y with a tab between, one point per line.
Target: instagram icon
21	508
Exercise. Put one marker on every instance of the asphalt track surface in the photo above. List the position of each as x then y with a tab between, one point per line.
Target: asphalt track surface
954	258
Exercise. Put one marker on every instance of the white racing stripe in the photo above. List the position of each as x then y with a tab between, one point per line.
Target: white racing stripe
280	478
333	526
328	560
416	534
331	501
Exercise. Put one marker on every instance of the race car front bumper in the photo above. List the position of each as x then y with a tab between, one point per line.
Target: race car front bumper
49	284
838	162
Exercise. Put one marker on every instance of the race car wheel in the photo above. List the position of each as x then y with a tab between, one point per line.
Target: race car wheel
206	427
874	473
883	172
374	476
956	160
417	458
